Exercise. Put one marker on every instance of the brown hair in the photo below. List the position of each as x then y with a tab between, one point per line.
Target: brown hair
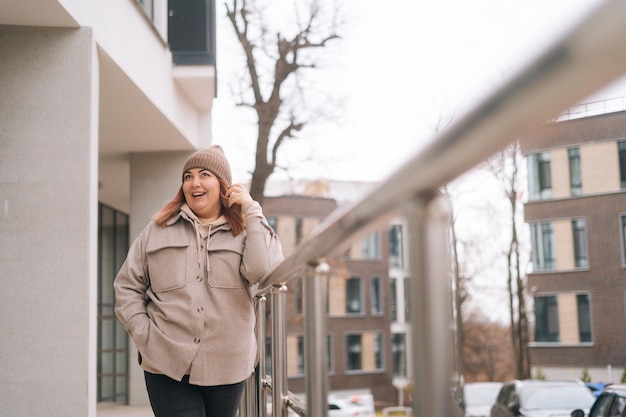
232	214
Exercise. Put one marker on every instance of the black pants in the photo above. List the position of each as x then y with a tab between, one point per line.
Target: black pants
170	398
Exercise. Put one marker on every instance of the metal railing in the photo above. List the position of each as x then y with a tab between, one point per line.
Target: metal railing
593	108
588	58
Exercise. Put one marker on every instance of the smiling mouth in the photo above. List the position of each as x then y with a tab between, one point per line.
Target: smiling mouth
197	194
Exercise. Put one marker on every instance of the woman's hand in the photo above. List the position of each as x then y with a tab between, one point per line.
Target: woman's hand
237	194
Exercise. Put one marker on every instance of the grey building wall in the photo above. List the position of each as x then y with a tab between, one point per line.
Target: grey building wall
48	198
155	179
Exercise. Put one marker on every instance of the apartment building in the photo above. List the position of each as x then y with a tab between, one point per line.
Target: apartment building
360	354
101	102
576	212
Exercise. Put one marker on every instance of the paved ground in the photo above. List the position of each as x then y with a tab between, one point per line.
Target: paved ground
117	410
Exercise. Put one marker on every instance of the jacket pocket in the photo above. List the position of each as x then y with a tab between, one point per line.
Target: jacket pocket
167	267
225	261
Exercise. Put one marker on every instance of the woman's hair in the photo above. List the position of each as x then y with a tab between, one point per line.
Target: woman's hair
232	214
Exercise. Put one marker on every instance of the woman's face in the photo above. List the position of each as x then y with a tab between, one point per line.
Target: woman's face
202	193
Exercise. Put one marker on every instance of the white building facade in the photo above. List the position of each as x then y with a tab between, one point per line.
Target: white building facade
101	102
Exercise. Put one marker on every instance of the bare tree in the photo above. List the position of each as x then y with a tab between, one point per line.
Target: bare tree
506	166
273	63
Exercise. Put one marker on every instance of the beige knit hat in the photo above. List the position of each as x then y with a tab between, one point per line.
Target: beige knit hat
213	159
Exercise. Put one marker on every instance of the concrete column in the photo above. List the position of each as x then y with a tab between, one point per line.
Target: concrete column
48	221
155	179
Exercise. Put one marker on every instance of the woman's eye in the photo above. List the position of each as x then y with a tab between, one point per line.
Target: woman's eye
206	174
187	177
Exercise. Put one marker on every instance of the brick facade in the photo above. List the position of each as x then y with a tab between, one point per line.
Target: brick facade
604	279
313	210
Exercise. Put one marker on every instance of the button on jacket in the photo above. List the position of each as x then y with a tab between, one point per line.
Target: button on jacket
184	295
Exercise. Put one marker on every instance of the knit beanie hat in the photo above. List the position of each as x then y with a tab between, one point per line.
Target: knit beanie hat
213	159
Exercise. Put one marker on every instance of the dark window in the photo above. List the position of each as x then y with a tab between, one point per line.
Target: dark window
376	296
407	298
354	298
395	246
584	318
353	350
300	355
540	179
543	254
623	218
299	234
191	31
622	162
579	231
112	363
398	351
546	319
394	302
575	174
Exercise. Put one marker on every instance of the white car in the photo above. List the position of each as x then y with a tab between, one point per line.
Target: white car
354	406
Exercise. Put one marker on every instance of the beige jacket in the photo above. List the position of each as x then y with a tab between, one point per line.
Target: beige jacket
184	295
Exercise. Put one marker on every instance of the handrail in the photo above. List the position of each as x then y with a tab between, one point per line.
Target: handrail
586	59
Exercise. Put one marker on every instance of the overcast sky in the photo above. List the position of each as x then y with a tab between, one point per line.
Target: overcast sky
403	66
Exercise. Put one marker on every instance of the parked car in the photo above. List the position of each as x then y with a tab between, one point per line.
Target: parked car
610	403
536	398
476	398
353	406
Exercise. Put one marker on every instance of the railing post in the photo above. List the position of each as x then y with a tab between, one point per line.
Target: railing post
261	371
253	399
316	339
430	305
279	350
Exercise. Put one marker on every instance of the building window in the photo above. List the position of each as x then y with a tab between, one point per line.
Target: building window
575	174
365	249
148	7
378	351
395	247
371	246
623	218
191	31
112	357
300	369
542	235
546	319
407	298
394	300
584	317
376	295
364	351
353	348
354	297
331	360
622	162
579	232
398	350
299	234
576	308
296	351
540	180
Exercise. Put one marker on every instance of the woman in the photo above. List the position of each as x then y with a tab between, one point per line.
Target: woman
183	293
